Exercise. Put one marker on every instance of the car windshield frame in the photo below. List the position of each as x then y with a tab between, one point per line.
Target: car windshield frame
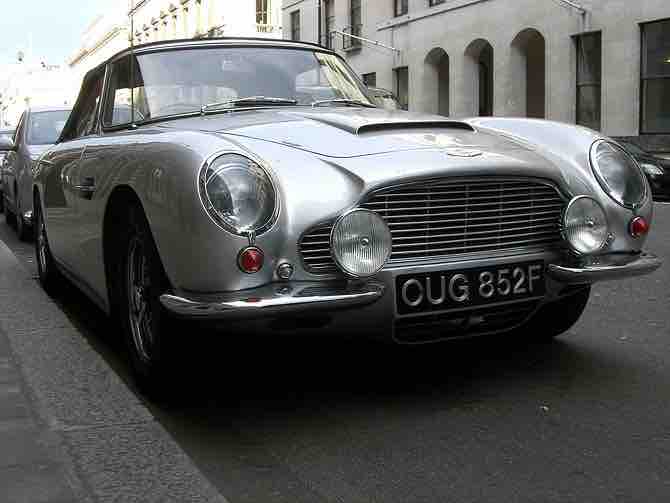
361	91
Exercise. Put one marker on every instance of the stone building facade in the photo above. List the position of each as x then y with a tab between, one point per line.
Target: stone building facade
601	63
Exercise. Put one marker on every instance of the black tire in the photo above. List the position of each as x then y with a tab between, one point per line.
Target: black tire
49	275
138	281
23	230
10	218
557	317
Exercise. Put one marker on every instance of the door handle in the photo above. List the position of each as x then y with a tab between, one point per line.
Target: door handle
86	187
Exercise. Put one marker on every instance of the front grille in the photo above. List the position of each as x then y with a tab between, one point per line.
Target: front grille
436	327
436	219
314	248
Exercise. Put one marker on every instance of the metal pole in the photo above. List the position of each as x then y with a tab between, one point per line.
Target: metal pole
367	40
131	84
574	5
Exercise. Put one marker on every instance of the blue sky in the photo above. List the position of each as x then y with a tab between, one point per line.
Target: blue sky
56	27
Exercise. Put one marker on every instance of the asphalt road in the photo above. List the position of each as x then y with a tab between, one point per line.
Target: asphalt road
585	418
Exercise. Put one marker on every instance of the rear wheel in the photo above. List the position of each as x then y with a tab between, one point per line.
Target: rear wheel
138	282
22	228
557	317
48	273
9	216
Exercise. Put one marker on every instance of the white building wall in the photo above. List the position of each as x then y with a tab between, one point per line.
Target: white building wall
30	84
454	24
155	20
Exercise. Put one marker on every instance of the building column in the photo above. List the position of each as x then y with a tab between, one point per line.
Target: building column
185	19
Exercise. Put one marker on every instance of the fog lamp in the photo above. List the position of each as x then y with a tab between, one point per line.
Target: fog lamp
360	243
585	225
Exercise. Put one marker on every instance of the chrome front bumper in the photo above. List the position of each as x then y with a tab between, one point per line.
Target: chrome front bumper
274	300
605	268
304	298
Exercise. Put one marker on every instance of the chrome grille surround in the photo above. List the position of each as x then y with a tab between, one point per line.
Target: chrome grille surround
438	219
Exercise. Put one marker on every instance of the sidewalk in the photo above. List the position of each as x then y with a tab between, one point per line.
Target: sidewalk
70	429
31	466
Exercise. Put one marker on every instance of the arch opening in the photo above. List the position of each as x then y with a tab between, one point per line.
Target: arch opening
528	74
436	82
479	55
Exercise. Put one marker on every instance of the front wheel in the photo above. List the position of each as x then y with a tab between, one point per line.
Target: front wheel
557	317
48	273
139	282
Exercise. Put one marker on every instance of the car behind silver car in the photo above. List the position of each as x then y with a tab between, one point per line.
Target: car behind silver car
37	130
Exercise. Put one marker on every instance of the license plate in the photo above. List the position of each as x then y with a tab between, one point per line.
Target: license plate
439	291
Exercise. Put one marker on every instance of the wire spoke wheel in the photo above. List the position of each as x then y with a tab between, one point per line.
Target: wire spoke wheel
139	300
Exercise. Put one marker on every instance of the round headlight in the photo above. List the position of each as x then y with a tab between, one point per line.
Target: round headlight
618	173
238	194
360	242
585	225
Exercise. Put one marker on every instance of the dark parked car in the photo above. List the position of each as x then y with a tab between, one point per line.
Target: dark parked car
9	133
655	168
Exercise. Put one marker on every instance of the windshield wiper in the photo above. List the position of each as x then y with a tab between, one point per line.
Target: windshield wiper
252	100
343	101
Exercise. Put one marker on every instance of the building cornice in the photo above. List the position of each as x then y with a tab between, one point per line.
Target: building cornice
428	12
86	51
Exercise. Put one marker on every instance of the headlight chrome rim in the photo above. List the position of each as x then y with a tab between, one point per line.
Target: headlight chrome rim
214	214
606	186
564	226
336	258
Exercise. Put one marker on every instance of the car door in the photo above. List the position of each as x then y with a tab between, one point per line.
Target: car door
11	165
65	187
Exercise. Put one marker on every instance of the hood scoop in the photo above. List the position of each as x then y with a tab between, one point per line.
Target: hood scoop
378	120
394	126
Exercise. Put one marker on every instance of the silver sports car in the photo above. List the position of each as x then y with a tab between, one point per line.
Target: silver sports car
247	181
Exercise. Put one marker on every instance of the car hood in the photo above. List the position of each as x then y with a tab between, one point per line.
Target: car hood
348	132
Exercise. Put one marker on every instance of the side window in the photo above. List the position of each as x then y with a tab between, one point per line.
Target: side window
122	97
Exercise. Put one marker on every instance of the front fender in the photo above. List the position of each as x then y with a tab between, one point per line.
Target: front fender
568	147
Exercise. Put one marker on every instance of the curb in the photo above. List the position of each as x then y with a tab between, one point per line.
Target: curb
112	446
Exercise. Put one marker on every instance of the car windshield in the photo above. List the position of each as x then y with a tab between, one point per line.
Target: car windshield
210	79
45	127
